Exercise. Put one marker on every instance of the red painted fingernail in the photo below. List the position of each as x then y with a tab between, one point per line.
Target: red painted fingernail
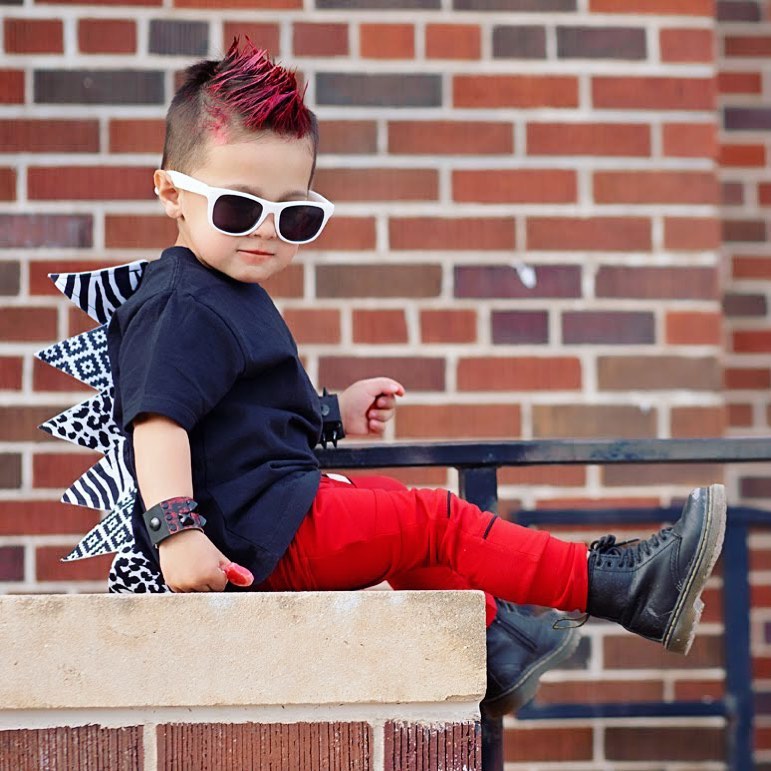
238	576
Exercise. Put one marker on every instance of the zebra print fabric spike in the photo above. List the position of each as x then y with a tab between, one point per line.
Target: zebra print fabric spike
88	424
100	292
110	534
83	357
117	295
103	485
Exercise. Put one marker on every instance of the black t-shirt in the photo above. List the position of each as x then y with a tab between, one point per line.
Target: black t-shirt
214	355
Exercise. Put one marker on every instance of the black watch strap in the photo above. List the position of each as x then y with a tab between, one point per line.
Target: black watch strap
332	426
172	516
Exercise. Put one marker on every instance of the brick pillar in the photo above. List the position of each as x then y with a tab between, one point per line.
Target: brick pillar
265	682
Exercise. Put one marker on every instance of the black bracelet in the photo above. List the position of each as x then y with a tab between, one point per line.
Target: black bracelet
172	516
332	426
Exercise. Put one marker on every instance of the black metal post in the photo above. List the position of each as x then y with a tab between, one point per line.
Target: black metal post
492	744
738	662
480	487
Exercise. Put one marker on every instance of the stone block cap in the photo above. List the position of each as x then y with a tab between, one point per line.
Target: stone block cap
241	649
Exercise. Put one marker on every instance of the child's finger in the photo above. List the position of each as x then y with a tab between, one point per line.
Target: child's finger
382	415
387	386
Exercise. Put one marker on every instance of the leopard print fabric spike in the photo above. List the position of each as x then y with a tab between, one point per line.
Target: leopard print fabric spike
133	573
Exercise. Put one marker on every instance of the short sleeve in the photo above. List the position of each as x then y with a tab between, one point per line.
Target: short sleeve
177	358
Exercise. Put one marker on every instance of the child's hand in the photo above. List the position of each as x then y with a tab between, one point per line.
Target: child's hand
367	405
190	562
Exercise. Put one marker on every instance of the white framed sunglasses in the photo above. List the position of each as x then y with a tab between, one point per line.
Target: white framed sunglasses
238	214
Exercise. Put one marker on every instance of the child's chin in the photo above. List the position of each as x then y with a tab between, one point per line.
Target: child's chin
250	275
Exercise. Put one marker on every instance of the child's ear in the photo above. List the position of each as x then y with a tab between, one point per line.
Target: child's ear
167	194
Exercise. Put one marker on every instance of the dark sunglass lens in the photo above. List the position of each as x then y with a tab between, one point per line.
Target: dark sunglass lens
235	214
300	223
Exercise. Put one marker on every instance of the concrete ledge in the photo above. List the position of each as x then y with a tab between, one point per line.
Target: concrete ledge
214	650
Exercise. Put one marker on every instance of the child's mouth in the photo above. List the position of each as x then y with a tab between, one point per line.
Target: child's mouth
258	253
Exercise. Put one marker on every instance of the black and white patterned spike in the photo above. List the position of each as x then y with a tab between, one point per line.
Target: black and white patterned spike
88	424
113	532
84	357
132	573
103	485
107	485
100	292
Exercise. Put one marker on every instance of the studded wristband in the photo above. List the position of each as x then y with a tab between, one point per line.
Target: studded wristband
172	516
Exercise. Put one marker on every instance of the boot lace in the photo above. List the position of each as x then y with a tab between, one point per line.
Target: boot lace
568	622
613	554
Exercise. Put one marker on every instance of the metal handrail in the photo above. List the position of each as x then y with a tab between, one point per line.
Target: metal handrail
546	452
477	464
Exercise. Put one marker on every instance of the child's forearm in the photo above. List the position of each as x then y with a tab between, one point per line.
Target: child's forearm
190	562
162	457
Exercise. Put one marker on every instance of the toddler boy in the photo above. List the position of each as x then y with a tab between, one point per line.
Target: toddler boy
222	418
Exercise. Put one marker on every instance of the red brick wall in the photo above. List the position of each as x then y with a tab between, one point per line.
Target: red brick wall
460	139
351	746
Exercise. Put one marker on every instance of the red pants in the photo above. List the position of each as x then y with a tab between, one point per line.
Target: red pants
375	529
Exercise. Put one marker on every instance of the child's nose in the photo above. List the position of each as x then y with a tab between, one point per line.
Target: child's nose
267	228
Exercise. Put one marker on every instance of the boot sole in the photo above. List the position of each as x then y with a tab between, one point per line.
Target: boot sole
524	690
679	635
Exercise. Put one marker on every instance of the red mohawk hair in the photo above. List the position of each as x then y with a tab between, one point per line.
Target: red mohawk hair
260	93
243	92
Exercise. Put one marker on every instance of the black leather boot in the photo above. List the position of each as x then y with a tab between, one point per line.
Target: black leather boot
521	646
653	587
